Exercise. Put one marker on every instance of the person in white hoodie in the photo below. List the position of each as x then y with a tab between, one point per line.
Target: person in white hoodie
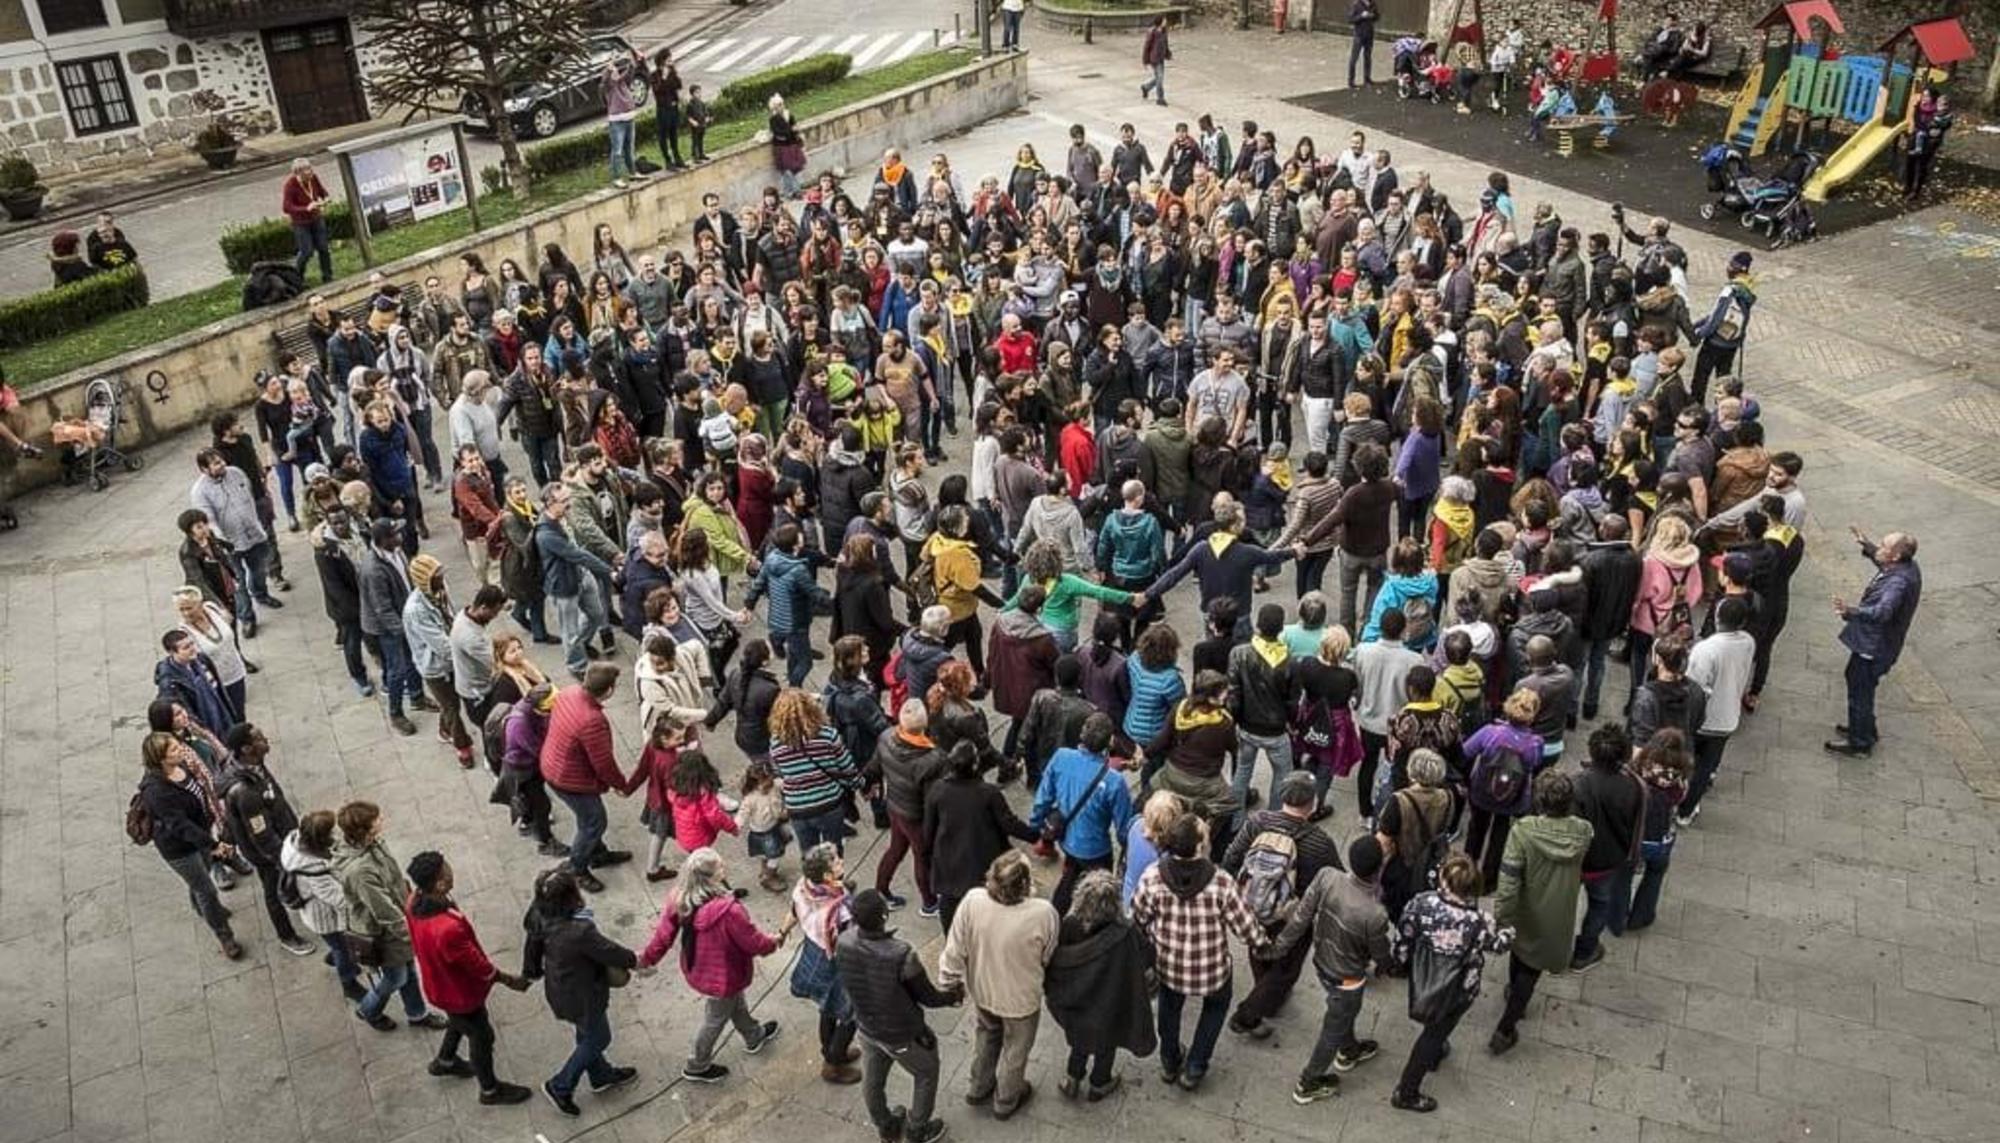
1722	664
307	861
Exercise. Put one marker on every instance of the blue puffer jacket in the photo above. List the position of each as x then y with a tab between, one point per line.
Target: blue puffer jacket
1397	591
788	580
1131	545
1154	694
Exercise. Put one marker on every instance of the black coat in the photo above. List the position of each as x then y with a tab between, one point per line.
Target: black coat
841	487
207	570
888	986
573	960
1611	581
967	823
1096	988
181	822
257	812
339	584
861	607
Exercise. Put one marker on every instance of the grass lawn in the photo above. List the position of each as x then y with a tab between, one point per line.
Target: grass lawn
174	316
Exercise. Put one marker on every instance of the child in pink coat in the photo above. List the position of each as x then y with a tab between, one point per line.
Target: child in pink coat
691	793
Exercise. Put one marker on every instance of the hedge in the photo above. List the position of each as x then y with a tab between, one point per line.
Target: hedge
65	309
746	96
271	238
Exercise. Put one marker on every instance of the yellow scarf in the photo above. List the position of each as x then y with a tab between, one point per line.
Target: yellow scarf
1281	475
522	508
1188	716
1274	650
1219	541
1781	534
1454	516
892	173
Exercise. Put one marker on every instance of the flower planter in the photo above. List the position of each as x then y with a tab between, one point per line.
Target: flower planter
22	205
219	158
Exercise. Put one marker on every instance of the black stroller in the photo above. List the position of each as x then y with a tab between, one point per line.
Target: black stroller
1777	205
90	442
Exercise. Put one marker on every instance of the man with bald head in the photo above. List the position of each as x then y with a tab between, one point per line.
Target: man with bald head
1873	632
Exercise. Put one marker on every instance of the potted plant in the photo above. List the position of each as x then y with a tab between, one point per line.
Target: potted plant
21	189
216	143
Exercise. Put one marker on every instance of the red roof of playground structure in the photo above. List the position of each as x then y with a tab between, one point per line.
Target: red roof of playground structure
1942	41
1800	14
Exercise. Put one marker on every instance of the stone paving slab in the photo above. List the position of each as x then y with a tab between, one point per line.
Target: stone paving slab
1821	968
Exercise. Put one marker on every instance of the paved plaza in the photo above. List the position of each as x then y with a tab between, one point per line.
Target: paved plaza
1825	967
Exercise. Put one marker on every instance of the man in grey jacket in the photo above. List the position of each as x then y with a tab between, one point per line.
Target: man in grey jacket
224	492
385	587
1350	931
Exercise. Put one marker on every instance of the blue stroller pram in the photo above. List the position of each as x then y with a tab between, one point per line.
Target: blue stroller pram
1777	205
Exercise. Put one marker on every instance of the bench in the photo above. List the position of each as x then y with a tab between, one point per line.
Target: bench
1725	62
297	339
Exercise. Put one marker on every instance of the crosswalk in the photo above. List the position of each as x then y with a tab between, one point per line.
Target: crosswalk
739	55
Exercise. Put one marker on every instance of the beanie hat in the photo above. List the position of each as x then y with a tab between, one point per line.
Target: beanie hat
1739	262
424	571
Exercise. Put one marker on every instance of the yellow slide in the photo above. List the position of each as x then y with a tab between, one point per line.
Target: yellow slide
1852	158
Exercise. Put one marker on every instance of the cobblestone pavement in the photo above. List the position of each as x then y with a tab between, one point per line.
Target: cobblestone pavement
1826	966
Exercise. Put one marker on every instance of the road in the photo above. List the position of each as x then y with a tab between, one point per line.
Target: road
176	231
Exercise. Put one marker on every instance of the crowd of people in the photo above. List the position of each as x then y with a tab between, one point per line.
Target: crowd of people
947	447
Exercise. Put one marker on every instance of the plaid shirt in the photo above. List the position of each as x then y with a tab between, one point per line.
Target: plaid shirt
1191	935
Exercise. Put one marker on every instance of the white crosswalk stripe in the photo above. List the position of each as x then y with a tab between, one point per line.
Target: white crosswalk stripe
775	52
916	40
723	61
738	54
875	48
814	47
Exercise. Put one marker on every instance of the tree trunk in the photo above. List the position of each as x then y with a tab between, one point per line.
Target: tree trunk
1992	99
510	146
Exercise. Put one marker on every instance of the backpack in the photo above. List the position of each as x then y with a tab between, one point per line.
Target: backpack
1679	619
1268	880
922	582
493	735
1432	851
1498	777
1471	708
289	894
1420	620
892	677
138	821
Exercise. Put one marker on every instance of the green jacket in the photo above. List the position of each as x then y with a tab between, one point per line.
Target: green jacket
1060	611
376	892
1541	874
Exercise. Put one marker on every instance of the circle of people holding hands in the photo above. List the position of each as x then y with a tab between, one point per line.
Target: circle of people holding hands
1526	466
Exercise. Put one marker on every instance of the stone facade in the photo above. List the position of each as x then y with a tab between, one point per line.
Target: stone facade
1868	23
163	73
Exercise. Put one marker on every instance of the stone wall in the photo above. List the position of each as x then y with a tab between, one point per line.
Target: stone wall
1868	23
162	72
209	370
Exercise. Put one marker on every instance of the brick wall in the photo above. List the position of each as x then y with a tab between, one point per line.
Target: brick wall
1868	23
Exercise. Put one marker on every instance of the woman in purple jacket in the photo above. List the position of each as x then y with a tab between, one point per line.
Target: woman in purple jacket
1504	756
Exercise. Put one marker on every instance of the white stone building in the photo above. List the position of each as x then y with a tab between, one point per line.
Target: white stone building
84	83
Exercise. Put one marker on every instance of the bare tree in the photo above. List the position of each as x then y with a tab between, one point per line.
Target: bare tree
432	53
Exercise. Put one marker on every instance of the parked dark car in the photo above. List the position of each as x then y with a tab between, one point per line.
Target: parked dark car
542	108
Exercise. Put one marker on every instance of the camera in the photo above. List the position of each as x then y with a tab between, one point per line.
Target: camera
1618	213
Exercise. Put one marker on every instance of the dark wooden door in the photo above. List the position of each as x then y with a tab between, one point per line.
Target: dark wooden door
313	77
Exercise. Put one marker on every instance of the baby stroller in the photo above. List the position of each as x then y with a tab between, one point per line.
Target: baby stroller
1415	57
1777	205
90	442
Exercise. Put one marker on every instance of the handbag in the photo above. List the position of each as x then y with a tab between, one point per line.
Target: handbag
1057	822
813	974
366	951
1436	983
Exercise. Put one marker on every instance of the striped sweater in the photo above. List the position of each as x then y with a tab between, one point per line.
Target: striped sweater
813	775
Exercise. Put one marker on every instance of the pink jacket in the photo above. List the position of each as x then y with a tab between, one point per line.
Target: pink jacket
726	944
1656	591
699	821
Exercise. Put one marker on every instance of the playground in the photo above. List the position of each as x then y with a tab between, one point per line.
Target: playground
1851	108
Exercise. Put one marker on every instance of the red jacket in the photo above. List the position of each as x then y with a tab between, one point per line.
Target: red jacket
456	974
577	755
1079	455
473	501
727	944
699	821
299	196
1017	353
